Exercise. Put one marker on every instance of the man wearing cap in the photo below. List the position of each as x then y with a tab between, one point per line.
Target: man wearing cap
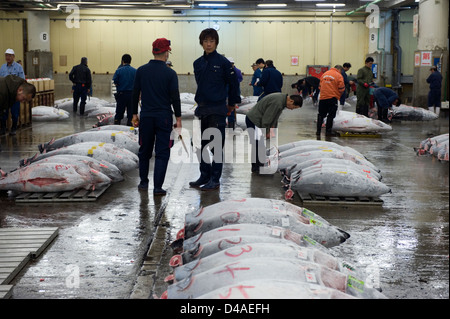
82	82
157	85
11	68
265	115
434	96
14	89
124	79
217	94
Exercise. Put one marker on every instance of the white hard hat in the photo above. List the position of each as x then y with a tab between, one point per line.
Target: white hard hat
9	51
231	60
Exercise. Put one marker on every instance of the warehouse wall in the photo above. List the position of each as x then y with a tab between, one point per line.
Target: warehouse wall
246	36
11	35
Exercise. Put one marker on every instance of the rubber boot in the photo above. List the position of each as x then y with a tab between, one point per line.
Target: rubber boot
319	124
13	129
431	109
82	106
438	111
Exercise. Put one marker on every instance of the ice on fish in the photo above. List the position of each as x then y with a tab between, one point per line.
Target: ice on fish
336	182
294	270
48	113
121	139
265	212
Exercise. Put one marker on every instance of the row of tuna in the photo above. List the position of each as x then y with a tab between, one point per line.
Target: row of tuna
87	160
262	248
327	169
436	146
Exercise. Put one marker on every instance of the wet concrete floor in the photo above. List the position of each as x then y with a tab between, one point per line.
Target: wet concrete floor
117	247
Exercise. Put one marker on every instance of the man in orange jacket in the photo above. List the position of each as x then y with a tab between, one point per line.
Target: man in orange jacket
331	88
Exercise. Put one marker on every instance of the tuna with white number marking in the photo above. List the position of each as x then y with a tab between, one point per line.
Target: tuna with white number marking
264	211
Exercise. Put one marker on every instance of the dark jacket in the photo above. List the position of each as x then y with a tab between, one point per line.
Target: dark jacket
384	97
216	81
8	91
271	80
158	86
435	80
81	74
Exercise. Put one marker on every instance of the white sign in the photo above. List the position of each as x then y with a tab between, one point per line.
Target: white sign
415	25
44	36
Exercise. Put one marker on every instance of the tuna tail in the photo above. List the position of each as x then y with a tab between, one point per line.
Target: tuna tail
3	173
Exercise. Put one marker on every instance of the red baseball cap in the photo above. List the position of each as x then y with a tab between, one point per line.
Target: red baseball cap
161	45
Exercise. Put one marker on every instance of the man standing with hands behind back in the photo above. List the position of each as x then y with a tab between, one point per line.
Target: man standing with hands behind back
158	87
11	68
217	84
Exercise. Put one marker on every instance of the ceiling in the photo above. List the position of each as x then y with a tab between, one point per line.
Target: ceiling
297	5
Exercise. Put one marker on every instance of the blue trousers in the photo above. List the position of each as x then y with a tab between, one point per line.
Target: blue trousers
123	100
15	111
154	132
212	170
434	98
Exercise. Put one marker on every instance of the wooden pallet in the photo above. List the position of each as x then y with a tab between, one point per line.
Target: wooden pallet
17	247
79	195
358	134
333	200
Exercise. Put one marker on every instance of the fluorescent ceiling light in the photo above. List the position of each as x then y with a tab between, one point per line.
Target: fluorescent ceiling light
331	5
272	5
212	5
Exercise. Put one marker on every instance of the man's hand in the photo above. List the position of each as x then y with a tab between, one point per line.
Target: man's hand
178	126
135	120
230	109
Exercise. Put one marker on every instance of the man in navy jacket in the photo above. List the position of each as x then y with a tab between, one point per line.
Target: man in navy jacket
434	96
217	95
158	87
271	80
385	98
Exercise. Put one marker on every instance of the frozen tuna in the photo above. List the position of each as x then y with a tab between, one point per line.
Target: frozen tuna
352	122
53	177
121	139
293	270
410	113
262	250
122	158
336	182
110	170
266	212
48	113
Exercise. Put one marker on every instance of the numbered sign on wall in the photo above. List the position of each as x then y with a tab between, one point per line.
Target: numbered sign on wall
44	37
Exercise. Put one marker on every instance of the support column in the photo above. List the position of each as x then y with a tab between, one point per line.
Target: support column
432	47
39	58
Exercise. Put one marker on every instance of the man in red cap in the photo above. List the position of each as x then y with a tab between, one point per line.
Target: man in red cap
157	85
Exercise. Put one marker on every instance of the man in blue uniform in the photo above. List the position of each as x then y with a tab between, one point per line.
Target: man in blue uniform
11	68
271	80
385	98
80	75
217	85
124	79
434	96
158	87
